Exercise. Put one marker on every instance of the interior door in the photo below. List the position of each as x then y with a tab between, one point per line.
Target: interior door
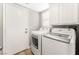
17	31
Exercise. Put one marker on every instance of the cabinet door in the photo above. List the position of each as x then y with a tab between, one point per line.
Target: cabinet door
54	14
17	37
68	13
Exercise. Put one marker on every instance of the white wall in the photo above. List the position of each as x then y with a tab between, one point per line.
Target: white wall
45	17
1	26
34	20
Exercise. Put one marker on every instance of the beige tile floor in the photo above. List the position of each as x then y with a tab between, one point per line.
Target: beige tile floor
25	52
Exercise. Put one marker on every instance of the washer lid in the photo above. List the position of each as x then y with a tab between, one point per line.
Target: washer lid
62	34
57	38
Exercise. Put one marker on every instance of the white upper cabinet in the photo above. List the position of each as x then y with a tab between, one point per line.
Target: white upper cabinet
63	13
54	13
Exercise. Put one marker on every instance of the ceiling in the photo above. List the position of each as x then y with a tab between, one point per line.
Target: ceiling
39	7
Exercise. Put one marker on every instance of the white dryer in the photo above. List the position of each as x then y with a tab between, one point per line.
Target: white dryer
36	41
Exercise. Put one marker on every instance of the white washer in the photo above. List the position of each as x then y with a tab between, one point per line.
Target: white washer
60	41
